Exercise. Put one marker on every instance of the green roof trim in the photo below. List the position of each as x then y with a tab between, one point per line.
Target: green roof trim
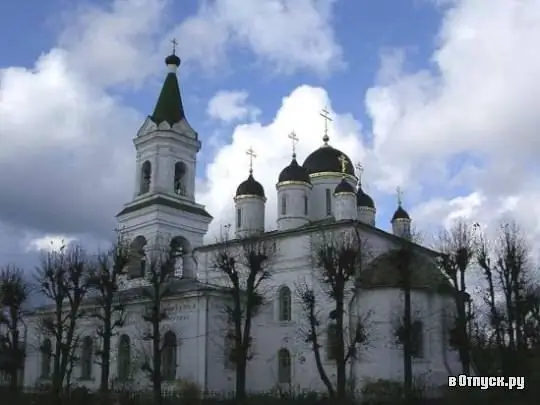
169	105
159	200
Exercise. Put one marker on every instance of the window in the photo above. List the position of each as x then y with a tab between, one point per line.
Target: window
146	177
124	358
417	339
328	202
238	218
169	356
179	174
332	342
87	358
283	205
284	304
284	367
46	356
306	205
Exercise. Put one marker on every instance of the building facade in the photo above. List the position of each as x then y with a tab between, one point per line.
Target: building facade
322	196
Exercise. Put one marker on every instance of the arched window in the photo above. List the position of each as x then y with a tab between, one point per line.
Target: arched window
146	177
46	357
137	264
238	218
124	358
168	360
87	358
306	206
284	304
179	178
417	339
328	202
332	341
284	367
283	205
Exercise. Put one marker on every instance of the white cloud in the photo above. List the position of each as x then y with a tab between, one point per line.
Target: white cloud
230	106
480	100
290	35
51	243
299	112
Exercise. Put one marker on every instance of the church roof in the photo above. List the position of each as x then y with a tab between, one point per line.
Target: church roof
169	105
400	214
294	172
363	199
327	159
166	202
250	186
344	187
383	272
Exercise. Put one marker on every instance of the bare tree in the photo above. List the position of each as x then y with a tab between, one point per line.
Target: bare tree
110	313
510	296
160	269
245	265
63	278
337	259
457	249
14	294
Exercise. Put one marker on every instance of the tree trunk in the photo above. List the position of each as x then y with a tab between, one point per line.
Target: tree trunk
407	352
341	369
105	362
240	386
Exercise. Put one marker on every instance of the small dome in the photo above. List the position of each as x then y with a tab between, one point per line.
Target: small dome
294	172
172	60
250	186
363	200
344	187
327	159
400	214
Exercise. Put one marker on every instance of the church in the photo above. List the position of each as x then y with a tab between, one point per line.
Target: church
323	194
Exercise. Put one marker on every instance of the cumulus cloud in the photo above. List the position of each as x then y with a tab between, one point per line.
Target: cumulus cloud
230	106
477	103
299	111
290	35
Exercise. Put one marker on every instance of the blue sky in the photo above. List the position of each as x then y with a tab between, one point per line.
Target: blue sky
433	96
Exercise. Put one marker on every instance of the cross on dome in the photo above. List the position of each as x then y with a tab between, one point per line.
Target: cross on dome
174	43
399	192
326	115
251	153
359	171
343	161
292	136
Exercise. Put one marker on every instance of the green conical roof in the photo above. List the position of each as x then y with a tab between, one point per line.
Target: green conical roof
169	105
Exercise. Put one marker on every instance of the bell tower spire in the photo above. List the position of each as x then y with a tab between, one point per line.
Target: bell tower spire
164	206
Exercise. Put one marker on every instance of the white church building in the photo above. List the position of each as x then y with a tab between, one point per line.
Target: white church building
323	194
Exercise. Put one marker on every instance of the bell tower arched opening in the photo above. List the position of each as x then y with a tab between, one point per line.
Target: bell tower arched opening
184	266
180	171
137	257
146	177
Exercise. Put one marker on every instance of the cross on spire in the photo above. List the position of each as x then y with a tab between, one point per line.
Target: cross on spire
326	115
343	161
399	192
292	136
251	153
174	43
359	172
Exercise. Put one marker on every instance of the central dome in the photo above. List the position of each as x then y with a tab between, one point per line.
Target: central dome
327	159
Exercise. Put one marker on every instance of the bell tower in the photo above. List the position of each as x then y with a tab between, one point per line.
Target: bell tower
163	207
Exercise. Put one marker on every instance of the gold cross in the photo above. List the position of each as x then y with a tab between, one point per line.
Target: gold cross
174	43
326	115
399	195
292	136
343	160
251	155
359	171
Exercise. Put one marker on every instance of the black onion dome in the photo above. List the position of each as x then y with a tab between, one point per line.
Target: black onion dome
250	186
363	200
172	60
294	172
327	159
344	187
400	214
